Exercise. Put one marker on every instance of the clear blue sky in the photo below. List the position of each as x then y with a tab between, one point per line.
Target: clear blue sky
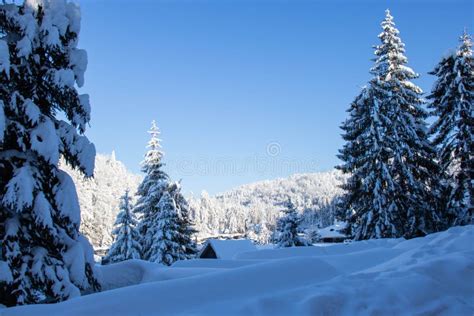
244	90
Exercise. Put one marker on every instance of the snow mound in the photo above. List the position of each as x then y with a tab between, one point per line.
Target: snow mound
214	264
125	273
433	275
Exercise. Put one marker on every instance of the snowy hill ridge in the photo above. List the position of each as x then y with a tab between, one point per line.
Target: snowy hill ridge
431	275
321	185
253	209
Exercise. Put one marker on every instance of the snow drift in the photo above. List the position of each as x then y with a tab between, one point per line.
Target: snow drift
430	275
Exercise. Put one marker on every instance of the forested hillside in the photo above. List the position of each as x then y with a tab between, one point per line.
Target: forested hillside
253	209
99	196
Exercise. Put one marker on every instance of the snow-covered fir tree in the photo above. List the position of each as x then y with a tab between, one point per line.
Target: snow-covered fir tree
150	191
42	117
126	242
166	233
155	239
288	228
393	186
186	226
452	105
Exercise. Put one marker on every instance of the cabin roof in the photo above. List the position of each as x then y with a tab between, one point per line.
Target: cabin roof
333	231
227	249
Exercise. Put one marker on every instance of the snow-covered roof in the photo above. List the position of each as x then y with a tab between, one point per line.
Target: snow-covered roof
227	249
333	231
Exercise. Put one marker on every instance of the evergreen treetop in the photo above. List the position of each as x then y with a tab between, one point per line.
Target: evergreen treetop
150	190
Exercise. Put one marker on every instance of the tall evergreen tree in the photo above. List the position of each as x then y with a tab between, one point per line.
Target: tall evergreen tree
452	105
287	228
150	190
391	191
47	259
165	231
186	226
126	242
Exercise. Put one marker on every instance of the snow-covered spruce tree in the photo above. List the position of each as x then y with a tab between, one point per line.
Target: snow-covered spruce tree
366	204
166	247
393	186
150	191
186	226
453	130
46	258
126	237
287	228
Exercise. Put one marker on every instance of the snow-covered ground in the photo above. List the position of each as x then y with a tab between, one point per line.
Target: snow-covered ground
433	275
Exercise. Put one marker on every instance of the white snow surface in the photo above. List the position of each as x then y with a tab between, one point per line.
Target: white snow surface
5	273
4	57
19	191
66	198
78	145
45	142
32	111
79	65
2	121
42	211
433	275
64	78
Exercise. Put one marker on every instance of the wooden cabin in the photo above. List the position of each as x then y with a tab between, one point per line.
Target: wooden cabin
332	234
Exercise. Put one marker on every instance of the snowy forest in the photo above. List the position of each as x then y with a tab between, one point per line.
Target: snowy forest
70	219
250	210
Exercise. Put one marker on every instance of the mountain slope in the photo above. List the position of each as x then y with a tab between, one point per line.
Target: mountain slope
253	209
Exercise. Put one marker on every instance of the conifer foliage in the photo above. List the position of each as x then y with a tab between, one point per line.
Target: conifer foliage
393	186
171	230
150	191
165	225
43	256
186	226
126	242
166	247
287	228
452	105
